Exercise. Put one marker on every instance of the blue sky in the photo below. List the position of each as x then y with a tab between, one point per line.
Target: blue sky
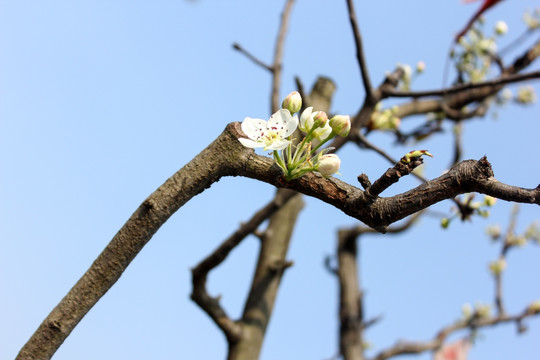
101	101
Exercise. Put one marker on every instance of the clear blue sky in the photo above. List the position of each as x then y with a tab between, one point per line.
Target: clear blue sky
101	101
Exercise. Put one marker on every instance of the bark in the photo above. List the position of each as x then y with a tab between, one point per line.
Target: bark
270	268
350	299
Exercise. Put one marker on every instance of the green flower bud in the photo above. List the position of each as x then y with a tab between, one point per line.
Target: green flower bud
445	222
341	124
319	119
497	267
293	102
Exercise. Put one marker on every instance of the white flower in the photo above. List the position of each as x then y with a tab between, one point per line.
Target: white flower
525	95
328	164
306	123
420	67
293	102
501	28
271	134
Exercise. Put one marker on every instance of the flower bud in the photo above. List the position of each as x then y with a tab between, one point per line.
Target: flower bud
341	124
413	154
497	267
445	222
420	67
482	310
489	200
467	311
526	95
319	119
494	232
534	307
328	164
293	102
501	28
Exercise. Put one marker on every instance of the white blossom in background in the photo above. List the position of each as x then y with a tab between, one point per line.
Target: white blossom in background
526	95
501	28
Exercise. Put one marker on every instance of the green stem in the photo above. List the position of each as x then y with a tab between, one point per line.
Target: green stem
279	161
330	137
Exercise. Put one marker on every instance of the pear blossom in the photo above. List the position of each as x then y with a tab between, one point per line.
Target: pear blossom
293	102
328	164
271	134
497	267
341	124
501	28
307	123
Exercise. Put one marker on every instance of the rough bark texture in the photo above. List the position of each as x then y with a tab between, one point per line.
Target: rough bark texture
350	299
270	267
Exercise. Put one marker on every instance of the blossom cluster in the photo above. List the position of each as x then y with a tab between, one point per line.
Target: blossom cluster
296	158
475	56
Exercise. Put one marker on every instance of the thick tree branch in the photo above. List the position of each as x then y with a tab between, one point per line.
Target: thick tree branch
200	173
210	305
351	313
225	157
467	176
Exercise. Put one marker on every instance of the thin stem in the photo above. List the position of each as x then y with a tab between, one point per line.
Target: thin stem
360	52
278	55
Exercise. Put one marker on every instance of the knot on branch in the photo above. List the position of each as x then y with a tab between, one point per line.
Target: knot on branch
279	266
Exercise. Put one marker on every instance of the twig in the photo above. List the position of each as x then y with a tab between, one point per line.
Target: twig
502	80
278	56
360	53
239	48
406	347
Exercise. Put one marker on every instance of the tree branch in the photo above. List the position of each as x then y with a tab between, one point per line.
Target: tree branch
278	56
360	53
200	272
227	157
406	347
502	80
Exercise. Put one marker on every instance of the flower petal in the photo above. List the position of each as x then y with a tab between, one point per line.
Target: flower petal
306	120
278	120
283	123
277	145
290	126
250	143
322	133
254	128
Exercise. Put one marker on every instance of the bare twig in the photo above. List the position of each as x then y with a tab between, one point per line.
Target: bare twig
502	80
251	57
360	53
406	347
278	56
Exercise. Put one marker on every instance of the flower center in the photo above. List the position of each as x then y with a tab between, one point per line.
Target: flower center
271	136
